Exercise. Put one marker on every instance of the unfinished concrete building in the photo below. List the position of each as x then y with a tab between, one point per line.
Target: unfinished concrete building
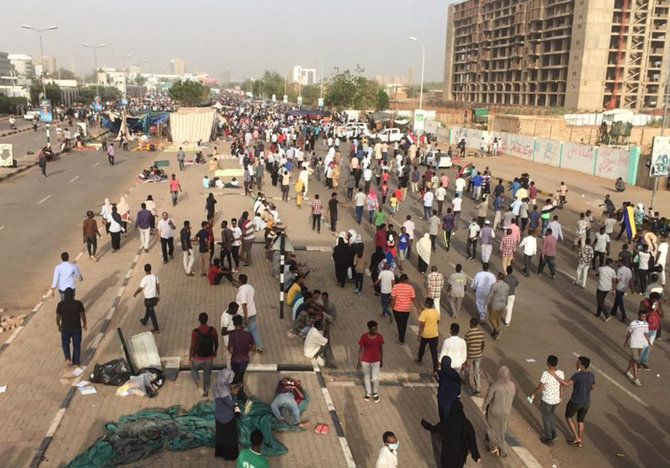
578	54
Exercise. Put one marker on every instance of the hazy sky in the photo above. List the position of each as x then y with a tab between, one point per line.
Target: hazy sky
243	37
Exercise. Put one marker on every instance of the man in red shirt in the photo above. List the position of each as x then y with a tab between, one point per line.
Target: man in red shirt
240	343
215	273
380	237
548	254
402	298
204	345
175	188
371	359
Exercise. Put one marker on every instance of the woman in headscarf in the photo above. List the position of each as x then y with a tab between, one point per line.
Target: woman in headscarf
210	203
456	436
225	414
423	247
449	387
376	257
115	228
106	213
342	261
124	211
497	408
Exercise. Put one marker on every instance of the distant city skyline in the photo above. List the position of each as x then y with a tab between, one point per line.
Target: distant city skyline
241	38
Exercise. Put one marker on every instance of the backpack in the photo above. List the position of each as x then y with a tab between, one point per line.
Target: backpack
204	347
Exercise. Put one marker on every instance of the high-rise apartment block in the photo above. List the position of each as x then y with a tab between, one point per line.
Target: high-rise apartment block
578	54
177	66
303	76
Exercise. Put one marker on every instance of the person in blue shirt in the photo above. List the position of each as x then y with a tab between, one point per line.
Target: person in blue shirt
477	186
64	276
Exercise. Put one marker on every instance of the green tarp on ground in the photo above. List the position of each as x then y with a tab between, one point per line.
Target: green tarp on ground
139	435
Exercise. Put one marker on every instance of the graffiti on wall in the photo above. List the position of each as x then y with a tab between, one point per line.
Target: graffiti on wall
612	162
520	146
578	157
547	151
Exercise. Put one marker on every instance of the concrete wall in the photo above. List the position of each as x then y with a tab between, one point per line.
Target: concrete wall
600	161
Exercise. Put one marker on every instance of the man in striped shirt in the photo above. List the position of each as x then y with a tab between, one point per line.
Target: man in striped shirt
317	209
402	298
475	341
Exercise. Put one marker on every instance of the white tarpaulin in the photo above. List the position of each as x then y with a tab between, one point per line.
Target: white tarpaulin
191	124
6	155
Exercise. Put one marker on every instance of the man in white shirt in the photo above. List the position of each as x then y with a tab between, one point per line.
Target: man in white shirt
440	195
150	287
556	229
459	186
481	285
409	229
316	346
456	207
245	299
455	347
601	247
428	204
388	455
64	276
166	229
551	398
385	281
529	247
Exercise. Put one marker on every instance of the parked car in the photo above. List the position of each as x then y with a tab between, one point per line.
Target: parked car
353	129
445	160
390	135
32	114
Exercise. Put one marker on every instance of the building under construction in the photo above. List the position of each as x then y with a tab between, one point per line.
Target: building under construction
578	54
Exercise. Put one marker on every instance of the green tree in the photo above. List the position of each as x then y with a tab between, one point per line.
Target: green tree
272	83
107	93
65	74
382	100
8	104
53	93
310	95
189	93
349	90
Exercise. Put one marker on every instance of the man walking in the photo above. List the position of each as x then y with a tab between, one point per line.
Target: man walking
317	210
624	278
150	287
245	299
187	248
428	204
481	285
496	304
637	339
601	247
473	237
584	258
548	254
551	398
402	298
606	284
204	346
409	228
434	285
181	156
385	282
143	224
370	360
654	310
475	341
512	281
64	276
240	343
528	246
70	320
166	229
507	247
175	188
456	290
428	331
332	211
388	455
486	236
448	227
110	153
91	235
454	347
203	248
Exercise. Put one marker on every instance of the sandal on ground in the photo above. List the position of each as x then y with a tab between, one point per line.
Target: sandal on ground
577	443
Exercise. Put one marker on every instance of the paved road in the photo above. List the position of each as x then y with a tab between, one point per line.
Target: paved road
41	217
20	124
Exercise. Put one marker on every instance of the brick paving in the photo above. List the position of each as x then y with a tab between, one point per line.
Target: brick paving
182	298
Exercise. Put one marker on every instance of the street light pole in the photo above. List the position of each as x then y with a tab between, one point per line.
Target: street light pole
423	66
321	81
664	120
44	87
95	60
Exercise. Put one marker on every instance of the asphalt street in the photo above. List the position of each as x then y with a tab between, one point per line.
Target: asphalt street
41	217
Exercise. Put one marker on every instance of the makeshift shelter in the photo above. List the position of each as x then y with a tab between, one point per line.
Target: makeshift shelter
192	124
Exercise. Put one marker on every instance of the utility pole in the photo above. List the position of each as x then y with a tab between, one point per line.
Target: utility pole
95	61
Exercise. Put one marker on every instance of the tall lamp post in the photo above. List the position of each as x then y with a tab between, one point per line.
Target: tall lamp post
95	61
423	64
320	81
44	87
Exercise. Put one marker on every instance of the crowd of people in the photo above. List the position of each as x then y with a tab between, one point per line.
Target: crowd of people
516	230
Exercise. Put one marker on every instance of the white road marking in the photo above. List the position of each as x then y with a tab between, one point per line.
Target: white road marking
526	457
96	164
55	422
43	199
78	256
14	335
74	178
618	385
2	227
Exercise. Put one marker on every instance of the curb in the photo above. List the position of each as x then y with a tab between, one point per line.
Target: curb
18	171
12	132
263	367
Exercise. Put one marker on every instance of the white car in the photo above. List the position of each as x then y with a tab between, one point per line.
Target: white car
445	160
390	135
30	115
353	129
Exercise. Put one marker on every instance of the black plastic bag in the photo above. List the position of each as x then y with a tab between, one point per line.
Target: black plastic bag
111	373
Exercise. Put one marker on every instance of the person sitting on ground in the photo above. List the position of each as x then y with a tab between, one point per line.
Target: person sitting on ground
206	182
285	406
619	185
216	273
317	346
